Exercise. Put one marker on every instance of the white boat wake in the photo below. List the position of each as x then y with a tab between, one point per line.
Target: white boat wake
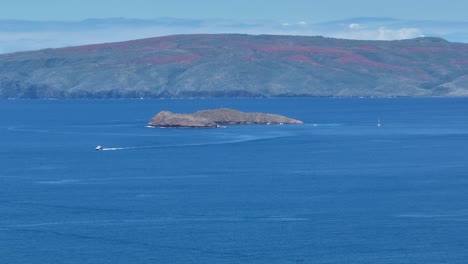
240	139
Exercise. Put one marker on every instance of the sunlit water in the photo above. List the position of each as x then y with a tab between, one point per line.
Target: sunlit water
337	189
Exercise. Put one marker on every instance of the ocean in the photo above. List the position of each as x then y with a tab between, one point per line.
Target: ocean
337	189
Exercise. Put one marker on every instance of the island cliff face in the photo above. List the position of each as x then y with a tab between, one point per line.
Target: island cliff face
217	117
233	65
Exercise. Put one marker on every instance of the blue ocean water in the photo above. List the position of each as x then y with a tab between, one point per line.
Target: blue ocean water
337	189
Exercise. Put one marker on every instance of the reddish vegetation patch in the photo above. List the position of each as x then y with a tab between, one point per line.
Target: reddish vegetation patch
194	45
344	56
189	58
159	46
302	59
367	48
358	59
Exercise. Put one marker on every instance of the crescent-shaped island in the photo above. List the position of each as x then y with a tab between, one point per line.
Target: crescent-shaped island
217	118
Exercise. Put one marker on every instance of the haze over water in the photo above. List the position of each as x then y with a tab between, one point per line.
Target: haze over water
337	189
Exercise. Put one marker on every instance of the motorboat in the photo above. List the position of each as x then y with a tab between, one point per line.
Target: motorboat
99	148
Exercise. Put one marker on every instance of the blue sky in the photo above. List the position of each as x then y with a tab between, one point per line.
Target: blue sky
287	10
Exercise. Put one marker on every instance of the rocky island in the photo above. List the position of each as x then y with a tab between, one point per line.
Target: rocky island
217	117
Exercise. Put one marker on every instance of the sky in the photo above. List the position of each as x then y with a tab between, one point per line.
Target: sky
287	10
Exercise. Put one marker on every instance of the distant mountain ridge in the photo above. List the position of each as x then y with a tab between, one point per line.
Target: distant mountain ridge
26	35
235	65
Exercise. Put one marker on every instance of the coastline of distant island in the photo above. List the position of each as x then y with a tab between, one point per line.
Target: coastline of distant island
239	65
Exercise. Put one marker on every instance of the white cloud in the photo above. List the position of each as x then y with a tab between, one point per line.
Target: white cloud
380	34
302	23
354	26
402	33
